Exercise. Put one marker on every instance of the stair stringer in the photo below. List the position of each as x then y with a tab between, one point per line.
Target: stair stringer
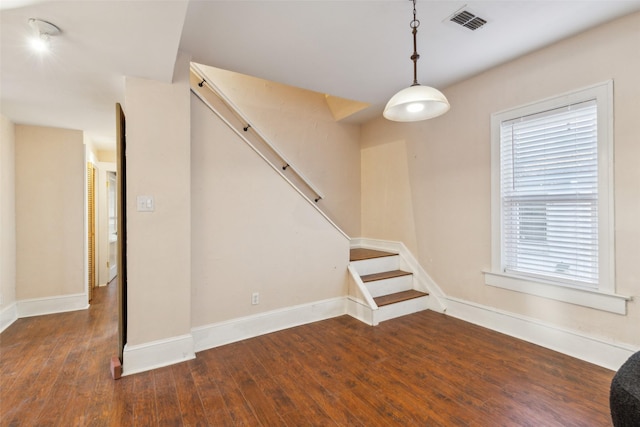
422	280
360	303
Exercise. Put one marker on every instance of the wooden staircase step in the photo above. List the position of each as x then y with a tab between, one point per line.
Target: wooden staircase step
359	254
384	275
398	297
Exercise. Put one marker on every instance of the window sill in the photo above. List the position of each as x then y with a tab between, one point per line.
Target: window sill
585	297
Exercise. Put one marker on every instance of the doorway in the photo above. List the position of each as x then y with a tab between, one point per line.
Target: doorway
112	219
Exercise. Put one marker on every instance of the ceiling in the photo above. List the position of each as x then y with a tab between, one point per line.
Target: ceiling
354	49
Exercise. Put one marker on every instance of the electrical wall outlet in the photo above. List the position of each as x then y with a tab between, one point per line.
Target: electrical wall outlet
255	298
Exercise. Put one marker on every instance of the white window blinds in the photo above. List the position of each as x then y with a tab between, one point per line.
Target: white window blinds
549	194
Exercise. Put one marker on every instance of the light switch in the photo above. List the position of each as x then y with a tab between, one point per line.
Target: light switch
145	204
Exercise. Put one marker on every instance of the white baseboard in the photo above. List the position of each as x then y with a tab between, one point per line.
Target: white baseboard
8	315
51	305
217	334
157	354
599	352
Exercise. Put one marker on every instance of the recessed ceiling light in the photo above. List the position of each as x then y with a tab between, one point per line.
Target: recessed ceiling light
42	32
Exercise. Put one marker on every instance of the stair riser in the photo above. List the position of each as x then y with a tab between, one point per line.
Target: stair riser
401	309
390	286
377	265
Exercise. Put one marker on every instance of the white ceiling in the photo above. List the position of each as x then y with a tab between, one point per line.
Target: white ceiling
355	49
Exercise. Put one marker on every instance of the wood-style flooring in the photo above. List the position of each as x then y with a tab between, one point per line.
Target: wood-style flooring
424	369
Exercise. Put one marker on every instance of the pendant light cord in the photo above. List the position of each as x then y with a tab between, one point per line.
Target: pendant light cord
414	25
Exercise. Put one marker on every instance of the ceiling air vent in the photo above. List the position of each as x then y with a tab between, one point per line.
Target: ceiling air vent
468	20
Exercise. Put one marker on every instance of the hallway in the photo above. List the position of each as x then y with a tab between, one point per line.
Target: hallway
54	370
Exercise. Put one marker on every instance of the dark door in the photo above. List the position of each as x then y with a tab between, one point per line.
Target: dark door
121	176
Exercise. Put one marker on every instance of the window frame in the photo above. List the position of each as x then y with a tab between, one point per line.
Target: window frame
603	297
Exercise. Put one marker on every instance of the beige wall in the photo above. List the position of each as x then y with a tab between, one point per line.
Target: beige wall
225	224
252	232
300	125
7	213
158	245
443	165
50	212
387	203
108	156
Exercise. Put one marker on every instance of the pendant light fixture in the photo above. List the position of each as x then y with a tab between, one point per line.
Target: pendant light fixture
416	102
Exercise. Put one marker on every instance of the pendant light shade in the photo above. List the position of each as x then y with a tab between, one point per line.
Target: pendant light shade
416	103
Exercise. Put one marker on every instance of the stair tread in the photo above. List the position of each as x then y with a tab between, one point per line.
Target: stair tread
384	275
398	297
359	254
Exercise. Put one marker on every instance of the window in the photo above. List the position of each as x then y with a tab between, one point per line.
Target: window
549	194
552	216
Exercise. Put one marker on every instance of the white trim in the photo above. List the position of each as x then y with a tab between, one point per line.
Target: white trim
605	298
403	308
424	282
358	309
368	298
613	303
217	334
157	354
575	344
51	305
8	315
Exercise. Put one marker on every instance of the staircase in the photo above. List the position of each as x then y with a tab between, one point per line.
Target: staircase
384	289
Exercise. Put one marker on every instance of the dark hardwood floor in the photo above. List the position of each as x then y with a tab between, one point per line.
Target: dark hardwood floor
424	369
